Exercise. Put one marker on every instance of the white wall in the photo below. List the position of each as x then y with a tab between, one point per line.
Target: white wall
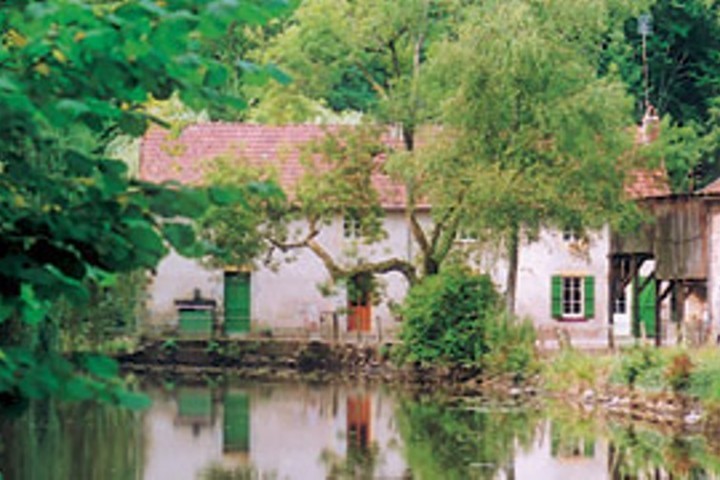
550	255
287	294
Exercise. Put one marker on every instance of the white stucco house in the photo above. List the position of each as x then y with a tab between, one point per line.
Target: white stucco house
562	280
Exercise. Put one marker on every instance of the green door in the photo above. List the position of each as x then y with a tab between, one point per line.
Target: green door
647	307
237	302
236	422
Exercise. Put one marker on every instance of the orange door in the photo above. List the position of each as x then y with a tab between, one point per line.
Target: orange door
359	303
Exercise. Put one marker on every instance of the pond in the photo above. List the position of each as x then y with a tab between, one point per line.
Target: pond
304	431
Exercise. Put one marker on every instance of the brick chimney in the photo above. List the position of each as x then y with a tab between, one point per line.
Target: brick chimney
649	129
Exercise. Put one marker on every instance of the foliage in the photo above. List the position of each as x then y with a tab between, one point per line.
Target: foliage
638	364
112	310
371	57
455	318
534	136
683	70
511	344
573	370
679	372
72	76
445	318
335	183
705	379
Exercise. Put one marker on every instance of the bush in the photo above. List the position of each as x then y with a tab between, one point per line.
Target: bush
571	370
679	372
642	366
456	317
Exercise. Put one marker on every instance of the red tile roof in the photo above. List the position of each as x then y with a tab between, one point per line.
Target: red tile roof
164	156
712	189
647	183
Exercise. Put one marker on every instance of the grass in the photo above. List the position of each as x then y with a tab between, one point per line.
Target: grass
694	372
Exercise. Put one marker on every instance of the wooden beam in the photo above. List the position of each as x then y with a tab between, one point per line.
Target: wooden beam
611	301
658	321
635	311
668	290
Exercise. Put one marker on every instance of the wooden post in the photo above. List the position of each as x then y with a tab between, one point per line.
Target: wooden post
658	305
611	301
335	327
681	307
635	311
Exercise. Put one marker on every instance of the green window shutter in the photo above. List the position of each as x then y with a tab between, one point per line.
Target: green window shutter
589	297
556	295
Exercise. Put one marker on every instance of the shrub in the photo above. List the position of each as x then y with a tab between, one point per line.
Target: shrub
571	370
445	317
456	317
641	363
510	345
679	372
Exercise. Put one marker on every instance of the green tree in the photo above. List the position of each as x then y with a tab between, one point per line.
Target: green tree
370	56
524	121
683	73
534	137
69	217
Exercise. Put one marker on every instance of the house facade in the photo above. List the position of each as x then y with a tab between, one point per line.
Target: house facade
562	280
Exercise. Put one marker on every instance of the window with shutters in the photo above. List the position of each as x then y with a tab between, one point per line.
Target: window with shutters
573	297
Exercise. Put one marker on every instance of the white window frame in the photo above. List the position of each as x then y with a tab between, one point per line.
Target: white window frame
567	305
352	227
466	236
571	235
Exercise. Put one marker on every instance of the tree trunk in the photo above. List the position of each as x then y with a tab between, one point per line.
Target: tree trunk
430	266
513	241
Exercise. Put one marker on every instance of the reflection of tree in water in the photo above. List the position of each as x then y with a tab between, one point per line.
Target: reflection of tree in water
55	440
640	454
359	462
442	442
246	472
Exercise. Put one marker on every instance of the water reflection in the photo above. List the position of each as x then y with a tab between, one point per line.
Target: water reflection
275	432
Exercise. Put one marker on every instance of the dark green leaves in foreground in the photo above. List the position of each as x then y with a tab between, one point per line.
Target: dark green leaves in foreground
73	76
83	377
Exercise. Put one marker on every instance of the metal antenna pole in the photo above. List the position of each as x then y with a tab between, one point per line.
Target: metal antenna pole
645	29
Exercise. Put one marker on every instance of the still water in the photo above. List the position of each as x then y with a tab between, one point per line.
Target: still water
300	431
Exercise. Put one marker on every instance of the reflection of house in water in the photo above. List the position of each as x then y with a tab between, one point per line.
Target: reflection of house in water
358	422
286	432
236	426
195	408
562	454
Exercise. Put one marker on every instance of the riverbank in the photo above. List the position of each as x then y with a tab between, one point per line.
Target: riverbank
671	387
272	359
